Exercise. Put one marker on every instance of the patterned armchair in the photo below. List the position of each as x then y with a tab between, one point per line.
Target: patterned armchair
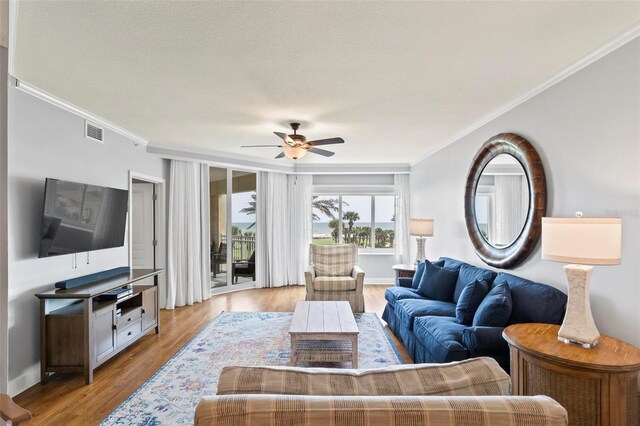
334	275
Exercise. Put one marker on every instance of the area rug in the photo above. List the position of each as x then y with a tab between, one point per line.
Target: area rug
170	396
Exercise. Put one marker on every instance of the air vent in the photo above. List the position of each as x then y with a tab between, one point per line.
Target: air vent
93	132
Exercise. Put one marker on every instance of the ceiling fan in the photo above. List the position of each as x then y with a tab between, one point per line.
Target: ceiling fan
296	146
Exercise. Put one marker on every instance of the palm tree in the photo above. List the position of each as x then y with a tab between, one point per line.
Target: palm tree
335	226
379	238
351	218
326	206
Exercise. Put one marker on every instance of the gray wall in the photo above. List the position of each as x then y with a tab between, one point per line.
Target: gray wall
46	141
587	132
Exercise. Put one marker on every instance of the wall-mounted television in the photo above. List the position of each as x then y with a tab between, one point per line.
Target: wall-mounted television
78	217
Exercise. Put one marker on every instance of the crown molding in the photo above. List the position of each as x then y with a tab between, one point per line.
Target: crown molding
217	158
67	106
614	43
353	168
223	159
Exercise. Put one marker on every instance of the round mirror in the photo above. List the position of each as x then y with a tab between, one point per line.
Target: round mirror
505	200
502	201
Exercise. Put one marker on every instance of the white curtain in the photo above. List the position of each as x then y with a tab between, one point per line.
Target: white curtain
402	218
189	262
509	212
283	210
300	201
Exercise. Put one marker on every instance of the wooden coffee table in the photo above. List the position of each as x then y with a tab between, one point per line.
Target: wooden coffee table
324	332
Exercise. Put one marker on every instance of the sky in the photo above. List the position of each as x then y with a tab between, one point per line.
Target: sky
359	203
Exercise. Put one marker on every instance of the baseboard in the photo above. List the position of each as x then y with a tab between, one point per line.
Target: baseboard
29	378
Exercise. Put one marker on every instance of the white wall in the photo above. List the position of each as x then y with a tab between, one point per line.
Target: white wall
587	132
46	141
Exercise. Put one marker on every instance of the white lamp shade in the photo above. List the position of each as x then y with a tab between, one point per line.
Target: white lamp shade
294	152
421	227
587	241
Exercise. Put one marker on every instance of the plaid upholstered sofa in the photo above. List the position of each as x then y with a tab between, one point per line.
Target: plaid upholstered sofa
333	274
467	393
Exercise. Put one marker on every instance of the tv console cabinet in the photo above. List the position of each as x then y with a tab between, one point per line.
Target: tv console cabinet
79	330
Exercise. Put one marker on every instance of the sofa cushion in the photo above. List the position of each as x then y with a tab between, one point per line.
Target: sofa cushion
418	274
469	300
409	309
442	338
344	410
550	303
420	268
334	284
479	376
393	294
437	283
333	260
468	274
495	309
451	264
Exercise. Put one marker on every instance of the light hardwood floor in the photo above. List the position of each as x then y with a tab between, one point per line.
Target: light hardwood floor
66	400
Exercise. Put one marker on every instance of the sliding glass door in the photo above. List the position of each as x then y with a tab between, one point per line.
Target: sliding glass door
233	228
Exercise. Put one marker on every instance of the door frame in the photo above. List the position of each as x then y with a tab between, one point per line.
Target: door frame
160	253
230	287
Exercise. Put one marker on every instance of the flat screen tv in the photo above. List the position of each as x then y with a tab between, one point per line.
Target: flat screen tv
78	217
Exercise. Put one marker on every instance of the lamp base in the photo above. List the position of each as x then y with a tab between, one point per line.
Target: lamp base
578	327
420	256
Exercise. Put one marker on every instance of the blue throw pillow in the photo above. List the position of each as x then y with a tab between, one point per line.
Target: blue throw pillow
418	275
472	295
420	269
437	283
495	309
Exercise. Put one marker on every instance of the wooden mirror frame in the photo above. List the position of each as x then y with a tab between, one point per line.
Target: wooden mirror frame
527	156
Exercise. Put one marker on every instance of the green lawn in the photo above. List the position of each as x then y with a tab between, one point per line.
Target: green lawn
327	240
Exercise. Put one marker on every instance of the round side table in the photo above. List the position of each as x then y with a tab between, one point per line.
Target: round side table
404	271
597	386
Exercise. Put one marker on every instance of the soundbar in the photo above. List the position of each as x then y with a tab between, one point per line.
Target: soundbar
87	279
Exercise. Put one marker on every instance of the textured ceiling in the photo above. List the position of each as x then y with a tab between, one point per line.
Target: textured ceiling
395	79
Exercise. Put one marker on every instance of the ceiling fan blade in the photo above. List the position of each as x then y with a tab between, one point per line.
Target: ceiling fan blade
329	141
322	152
261	146
285	137
280	155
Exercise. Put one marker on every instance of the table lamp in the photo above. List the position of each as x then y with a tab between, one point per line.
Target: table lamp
584	241
421	228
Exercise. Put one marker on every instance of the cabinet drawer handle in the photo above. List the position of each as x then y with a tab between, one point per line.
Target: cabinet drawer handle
129	333
143	311
129	319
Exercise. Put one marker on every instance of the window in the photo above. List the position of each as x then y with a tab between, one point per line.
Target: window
366	220
384	213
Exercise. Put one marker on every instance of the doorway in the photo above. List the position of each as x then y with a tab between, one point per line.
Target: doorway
143	233
146	224
233	228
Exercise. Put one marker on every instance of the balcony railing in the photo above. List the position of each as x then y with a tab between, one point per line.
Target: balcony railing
242	246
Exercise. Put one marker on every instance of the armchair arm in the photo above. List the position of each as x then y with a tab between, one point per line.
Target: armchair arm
11	412
481	341
309	276
404	282
358	274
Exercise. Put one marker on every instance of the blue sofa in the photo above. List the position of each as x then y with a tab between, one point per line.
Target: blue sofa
431	332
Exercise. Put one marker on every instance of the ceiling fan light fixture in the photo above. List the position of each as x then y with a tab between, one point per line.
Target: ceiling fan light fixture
294	152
